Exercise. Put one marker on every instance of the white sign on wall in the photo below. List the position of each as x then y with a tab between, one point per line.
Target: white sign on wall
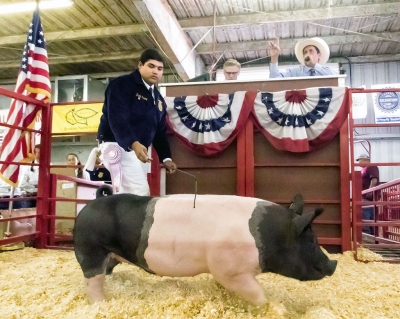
359	105
386	104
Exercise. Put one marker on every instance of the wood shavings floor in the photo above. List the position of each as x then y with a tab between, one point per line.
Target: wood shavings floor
49	284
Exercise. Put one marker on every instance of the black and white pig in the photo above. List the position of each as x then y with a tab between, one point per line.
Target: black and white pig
234	238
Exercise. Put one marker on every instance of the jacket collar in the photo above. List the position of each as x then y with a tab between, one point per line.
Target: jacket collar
138	80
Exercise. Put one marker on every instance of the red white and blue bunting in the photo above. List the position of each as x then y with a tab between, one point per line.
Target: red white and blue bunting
296	121
301	120
208	124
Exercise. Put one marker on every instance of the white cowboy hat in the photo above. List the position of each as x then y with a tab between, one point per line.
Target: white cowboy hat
319	43
362	156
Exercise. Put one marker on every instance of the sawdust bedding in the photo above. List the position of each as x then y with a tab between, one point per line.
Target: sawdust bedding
49	284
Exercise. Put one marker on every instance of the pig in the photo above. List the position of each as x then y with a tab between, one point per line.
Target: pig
232	237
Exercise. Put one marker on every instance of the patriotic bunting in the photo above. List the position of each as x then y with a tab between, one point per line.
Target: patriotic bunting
301	120
295	121
208	124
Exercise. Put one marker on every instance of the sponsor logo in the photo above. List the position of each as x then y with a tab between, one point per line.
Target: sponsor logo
388	102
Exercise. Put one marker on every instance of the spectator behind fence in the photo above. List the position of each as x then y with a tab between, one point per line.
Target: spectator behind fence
96	173
73	159
231	69
29	181
370	178
5	191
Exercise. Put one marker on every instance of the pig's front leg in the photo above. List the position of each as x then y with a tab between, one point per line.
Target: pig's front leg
245	285
95	288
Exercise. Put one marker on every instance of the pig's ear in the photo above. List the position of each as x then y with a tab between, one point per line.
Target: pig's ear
301	222
297	204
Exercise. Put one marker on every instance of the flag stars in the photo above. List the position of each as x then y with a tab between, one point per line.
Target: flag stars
208	126
270	110
326	100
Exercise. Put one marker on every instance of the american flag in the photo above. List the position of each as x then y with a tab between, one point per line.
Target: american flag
33	81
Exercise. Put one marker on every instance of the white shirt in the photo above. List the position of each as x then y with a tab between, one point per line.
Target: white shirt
30	179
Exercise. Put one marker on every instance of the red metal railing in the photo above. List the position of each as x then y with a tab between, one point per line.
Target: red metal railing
36	234
385	198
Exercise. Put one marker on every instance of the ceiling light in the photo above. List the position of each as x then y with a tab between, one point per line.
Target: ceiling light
31	6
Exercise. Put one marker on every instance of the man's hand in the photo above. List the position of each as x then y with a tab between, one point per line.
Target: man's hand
274	50
170	166
141	152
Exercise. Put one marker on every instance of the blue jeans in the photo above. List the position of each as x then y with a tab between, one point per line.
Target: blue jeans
368	214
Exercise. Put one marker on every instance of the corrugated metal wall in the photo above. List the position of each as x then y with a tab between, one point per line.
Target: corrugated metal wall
383	148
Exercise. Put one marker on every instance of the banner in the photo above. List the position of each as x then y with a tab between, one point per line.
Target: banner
208	124
386	104
76	118
301	120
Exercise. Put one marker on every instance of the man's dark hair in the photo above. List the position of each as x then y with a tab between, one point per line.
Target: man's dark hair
151	54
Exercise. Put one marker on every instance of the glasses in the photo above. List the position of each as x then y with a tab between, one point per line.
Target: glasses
231	73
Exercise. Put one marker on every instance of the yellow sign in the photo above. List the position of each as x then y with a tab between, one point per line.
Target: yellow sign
76	118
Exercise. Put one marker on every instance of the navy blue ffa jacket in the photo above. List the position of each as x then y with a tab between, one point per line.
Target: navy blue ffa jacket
131	114
100	174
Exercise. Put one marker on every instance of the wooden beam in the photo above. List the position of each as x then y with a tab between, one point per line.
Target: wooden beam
167	32
82	58
207	48
368	58
80	34
293	15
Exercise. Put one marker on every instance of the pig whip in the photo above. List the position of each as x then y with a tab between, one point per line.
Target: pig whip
195	185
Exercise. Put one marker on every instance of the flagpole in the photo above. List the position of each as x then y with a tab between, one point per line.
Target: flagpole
10	207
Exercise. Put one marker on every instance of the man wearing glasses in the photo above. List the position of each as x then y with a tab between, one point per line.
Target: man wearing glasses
231	69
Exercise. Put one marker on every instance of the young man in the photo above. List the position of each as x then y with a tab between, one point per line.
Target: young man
134	118
231	69
311	53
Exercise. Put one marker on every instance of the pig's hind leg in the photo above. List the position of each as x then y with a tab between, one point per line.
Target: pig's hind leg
94	262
